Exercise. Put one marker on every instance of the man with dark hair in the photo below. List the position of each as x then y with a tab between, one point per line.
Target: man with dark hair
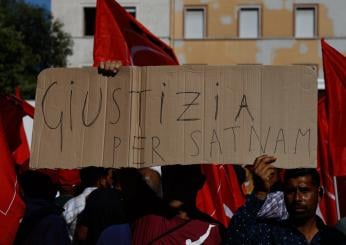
103	208
188	225
302	192
91	179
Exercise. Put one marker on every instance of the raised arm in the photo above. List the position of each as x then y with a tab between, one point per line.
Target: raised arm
245	228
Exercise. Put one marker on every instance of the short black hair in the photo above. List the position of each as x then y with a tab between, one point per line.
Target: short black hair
182	182
90	175
36	184
298	172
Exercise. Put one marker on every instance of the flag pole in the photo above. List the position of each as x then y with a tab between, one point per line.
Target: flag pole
336	197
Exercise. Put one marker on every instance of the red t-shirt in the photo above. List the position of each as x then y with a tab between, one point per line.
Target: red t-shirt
153	229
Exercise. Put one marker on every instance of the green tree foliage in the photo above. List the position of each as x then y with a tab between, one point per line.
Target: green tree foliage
30	42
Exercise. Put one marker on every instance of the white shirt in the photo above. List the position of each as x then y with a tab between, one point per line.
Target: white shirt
74	207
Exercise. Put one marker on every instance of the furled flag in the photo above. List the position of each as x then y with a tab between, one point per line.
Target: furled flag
22	154
221	194
334	67
327	204
119	36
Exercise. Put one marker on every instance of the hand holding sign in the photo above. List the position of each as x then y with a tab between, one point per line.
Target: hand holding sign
109	67
264	173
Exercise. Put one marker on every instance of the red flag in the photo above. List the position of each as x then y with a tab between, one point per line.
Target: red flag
334	66
22	154
328	202
27	109
119	36
11	205
221	194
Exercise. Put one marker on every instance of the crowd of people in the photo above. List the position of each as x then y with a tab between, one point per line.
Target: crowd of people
131	206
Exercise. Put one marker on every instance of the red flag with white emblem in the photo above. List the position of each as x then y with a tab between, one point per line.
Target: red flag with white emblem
334	67
328	202
221	194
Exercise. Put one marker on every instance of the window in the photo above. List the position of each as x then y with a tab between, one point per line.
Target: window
194	23
305	21
89	20
249	22
131	10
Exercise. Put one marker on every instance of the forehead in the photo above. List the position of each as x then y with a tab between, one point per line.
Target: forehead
300	181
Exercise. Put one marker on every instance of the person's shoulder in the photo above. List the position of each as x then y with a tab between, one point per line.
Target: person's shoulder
102	192
331	235
154	218
54	218
202	224
70	203
74	200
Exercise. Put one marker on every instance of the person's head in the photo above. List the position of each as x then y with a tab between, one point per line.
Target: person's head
180	184
131	183
93	177
37	185
153	179
109	177
138	197
302	193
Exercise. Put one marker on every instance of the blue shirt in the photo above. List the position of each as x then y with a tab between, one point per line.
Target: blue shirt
116	234
246	228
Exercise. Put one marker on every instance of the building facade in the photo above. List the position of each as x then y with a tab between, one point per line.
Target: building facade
78	17
215	32
264	32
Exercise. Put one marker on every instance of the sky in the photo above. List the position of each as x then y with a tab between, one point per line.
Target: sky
43	3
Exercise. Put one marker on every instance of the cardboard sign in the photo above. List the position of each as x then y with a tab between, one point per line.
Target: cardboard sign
175	114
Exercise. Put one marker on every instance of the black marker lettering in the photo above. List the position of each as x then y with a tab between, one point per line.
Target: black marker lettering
187	106
60	123
138	139
234	137
97	114
308	131
154	147
195	142
216	105
140	103
280	139
244	104
263	149
214	139
138	146
116	144
162	102
116	105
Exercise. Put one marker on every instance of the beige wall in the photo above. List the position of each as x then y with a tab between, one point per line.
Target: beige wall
222	17
165	18
70	13
275	46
